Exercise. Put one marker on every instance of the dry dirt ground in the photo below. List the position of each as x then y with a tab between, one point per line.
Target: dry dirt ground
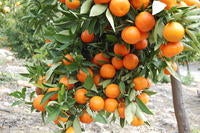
19	119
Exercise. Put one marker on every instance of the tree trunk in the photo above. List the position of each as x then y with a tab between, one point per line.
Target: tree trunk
181	117
188	68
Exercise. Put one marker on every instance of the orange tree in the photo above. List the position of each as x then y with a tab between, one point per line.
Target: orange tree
102	57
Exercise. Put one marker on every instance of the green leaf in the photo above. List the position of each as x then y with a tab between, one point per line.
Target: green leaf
23	93
150	92
51	70
97	10
143	107
122	87
53	114
63	38
172	72
140	114
18	102
77	126
130	112
99	118
16	94
132	95
86	6
105	83
47	96
110	19
122	122
88	84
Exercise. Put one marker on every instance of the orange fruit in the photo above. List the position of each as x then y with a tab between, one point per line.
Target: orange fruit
169	3
117	63
112	91
119	8
181	4
86	118
62	1
97	79
107	71
101	1
174	67
173	32
82	76
131	35
145	21
171	49
87	37
141	45
60	119
138	4
137	121
37	103
144	35
144	97
110	105
121	49
100	59
64	80
130	61
70	130
55	96
192	2
96	103
69	59
140	83
72	4
121	110
80	96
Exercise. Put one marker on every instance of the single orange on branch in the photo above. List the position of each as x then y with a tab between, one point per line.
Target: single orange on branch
121	49
37	103
140	83
137	121
100	59
87	37
85	117
144	97
130	61
110	105
131	35
96	103
107	71
139	4
72	4
82	76
112	91
69	59
119	8
80	96
64	80
55	96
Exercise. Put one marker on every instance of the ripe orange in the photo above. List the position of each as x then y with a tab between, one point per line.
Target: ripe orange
37	103
131	35
86	118
171	49
82	76
121	110
64	80
130	61
87	37
60	119
174	67
69	59
121	49
97	79
72	4
62	1
137	121
141	45
55	96
107	71
80	96
117	63
192	2
144	97
112	91
119	8
145	21
100	59
70	130
173	32
110	105
140	83
101	1
169	3
144	35
96	103
138	4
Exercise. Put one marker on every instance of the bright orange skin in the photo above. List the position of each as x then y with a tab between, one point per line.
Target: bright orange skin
141	45
70	58
121	49
55	96
131	35
173	32
130	61
86	118
74	4
144	97
62	1
80	96
181	4
192	2
139	4
117	63
87	37
70	130
37	103
64	80
96	103
107	71
145	21
60	119
82	76
101	1
119	8
140	83
112	91
137	121
100	59
97	79
169	3
121	110
171	49
174	66
110	105
144	35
